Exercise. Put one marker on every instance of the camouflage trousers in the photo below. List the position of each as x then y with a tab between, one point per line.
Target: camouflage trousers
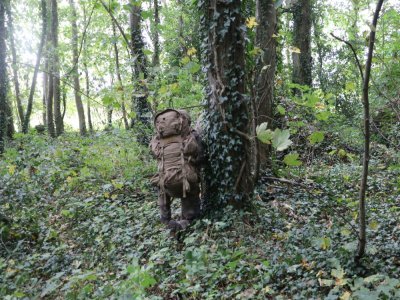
190	206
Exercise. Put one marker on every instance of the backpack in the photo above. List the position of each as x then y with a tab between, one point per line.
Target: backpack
177	149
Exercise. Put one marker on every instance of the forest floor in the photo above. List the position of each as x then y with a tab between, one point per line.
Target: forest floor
79	220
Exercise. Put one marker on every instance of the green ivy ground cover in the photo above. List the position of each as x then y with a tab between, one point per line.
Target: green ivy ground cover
79	221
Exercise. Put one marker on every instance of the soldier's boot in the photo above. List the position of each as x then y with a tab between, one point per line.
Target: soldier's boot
190	208
164	203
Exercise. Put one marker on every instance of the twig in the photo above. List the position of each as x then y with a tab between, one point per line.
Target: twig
286	181
81	46
354	53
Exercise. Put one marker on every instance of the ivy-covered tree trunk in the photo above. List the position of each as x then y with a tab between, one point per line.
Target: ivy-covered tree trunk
75	74
3	77
140	105
227	114
25	125
302	62
265	66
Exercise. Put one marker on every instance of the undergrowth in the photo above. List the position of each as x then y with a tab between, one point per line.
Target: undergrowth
79	220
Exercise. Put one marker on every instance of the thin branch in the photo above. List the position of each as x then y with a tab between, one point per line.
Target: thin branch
82	42
66	82
117	24
354	53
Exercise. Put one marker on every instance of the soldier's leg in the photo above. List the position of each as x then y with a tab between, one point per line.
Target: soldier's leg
164	203
190	206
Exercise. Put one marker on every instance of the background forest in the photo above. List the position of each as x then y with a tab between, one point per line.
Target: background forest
299	105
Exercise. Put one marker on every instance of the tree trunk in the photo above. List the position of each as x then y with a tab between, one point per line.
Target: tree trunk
75	73
362	238
156	38
28	113
302	62
58	120
20	108
121	85
45	81
10	120
265	67
49	91
227	115
180	31
86	71
141	107
3	78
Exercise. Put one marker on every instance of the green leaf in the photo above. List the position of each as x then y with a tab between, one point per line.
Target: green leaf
263	134
146	14
323	115
292	159
350	86
316	137
338	273
147	52
281	110
280	140
107	100
194	68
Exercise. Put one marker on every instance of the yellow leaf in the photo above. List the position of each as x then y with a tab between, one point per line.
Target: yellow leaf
267	289
251	22
106	195
345	296
373	225
275	36
11	169
294	49
113	197
191	51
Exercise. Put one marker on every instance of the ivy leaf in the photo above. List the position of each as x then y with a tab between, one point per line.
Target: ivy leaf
316	137
263	134
338	273
280	140
292	160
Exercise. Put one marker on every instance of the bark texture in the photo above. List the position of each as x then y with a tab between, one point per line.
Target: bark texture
119	77
156	38
20	108
3	78
362	238
28	113
265	67
58	119
140	105
302	62
75	73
